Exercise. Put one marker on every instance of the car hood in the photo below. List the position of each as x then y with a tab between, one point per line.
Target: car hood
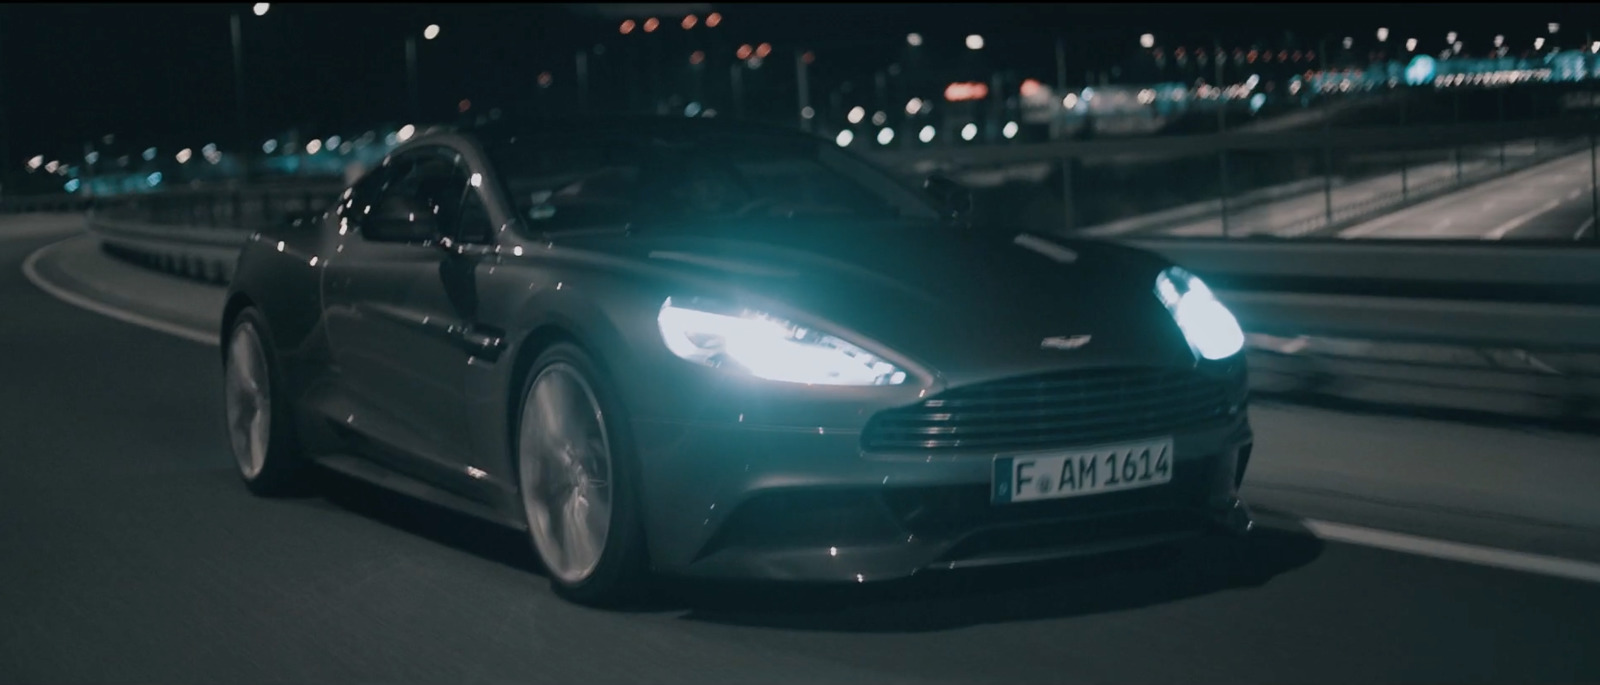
966	305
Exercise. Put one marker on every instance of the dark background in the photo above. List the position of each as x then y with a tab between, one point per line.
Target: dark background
70	73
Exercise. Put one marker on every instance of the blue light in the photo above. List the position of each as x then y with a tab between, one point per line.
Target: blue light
73	185
1257	101
1421	70
1212	330
153	179
149	154
692	109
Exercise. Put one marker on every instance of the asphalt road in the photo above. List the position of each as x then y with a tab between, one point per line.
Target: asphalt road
1278	217
1552	201
130	553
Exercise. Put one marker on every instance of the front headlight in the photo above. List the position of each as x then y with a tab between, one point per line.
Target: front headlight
1209	327
767	347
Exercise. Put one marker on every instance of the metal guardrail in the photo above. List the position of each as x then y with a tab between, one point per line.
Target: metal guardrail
229	208
1561	383
44	203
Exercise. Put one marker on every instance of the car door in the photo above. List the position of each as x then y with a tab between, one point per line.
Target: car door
394	319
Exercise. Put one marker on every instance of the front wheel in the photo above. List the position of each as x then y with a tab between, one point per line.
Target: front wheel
263	445
577	481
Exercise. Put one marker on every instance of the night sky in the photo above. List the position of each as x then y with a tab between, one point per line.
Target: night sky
162	74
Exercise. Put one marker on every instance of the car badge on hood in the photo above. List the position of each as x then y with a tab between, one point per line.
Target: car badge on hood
1072	342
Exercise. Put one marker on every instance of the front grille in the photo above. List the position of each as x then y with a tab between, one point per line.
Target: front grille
1052	410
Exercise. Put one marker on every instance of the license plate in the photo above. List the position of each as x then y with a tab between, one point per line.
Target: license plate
1085	471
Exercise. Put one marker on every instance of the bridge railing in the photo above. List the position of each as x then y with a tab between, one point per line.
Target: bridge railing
1290	184
231	208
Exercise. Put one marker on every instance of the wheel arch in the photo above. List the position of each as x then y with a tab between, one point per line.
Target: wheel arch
237	302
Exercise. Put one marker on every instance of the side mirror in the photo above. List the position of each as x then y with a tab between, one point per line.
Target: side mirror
956	199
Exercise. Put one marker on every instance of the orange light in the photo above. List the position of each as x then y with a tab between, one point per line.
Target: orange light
651	24
809	57
1283	55
464	105
713	19
1031	87
545	79
689	22
744	51
697	57
764	50
965	91
627	26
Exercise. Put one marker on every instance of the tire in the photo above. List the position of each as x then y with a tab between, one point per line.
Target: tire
259	423
582	470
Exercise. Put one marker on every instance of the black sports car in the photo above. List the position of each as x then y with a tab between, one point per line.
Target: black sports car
690	348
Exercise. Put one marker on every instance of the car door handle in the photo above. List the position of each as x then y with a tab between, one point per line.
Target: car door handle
484	342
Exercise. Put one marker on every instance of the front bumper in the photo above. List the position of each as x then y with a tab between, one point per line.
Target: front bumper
734	501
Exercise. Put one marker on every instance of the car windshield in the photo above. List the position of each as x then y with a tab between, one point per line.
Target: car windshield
641	179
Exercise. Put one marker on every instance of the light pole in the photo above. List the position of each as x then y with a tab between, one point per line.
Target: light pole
802	59
413	91
236	30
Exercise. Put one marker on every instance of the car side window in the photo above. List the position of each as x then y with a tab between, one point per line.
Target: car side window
418	199
577	186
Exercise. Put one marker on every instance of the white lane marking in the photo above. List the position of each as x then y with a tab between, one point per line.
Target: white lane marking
1456	551
1514	224
30	269
1587	224
1574	194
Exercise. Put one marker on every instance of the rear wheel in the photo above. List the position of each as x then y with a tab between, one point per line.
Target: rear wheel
259	432
577	480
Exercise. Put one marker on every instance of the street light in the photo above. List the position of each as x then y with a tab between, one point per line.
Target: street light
413	90
689	22
974	42
914	39
1450	37
1499	40
713	19
1383	35
1538	43
1554	28
1147	41
236	31
1411	45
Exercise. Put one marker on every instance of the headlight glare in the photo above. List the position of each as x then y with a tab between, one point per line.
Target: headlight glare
1211	330
767	347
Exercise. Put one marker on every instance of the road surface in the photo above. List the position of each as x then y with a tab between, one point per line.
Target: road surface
1552	201
132	554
